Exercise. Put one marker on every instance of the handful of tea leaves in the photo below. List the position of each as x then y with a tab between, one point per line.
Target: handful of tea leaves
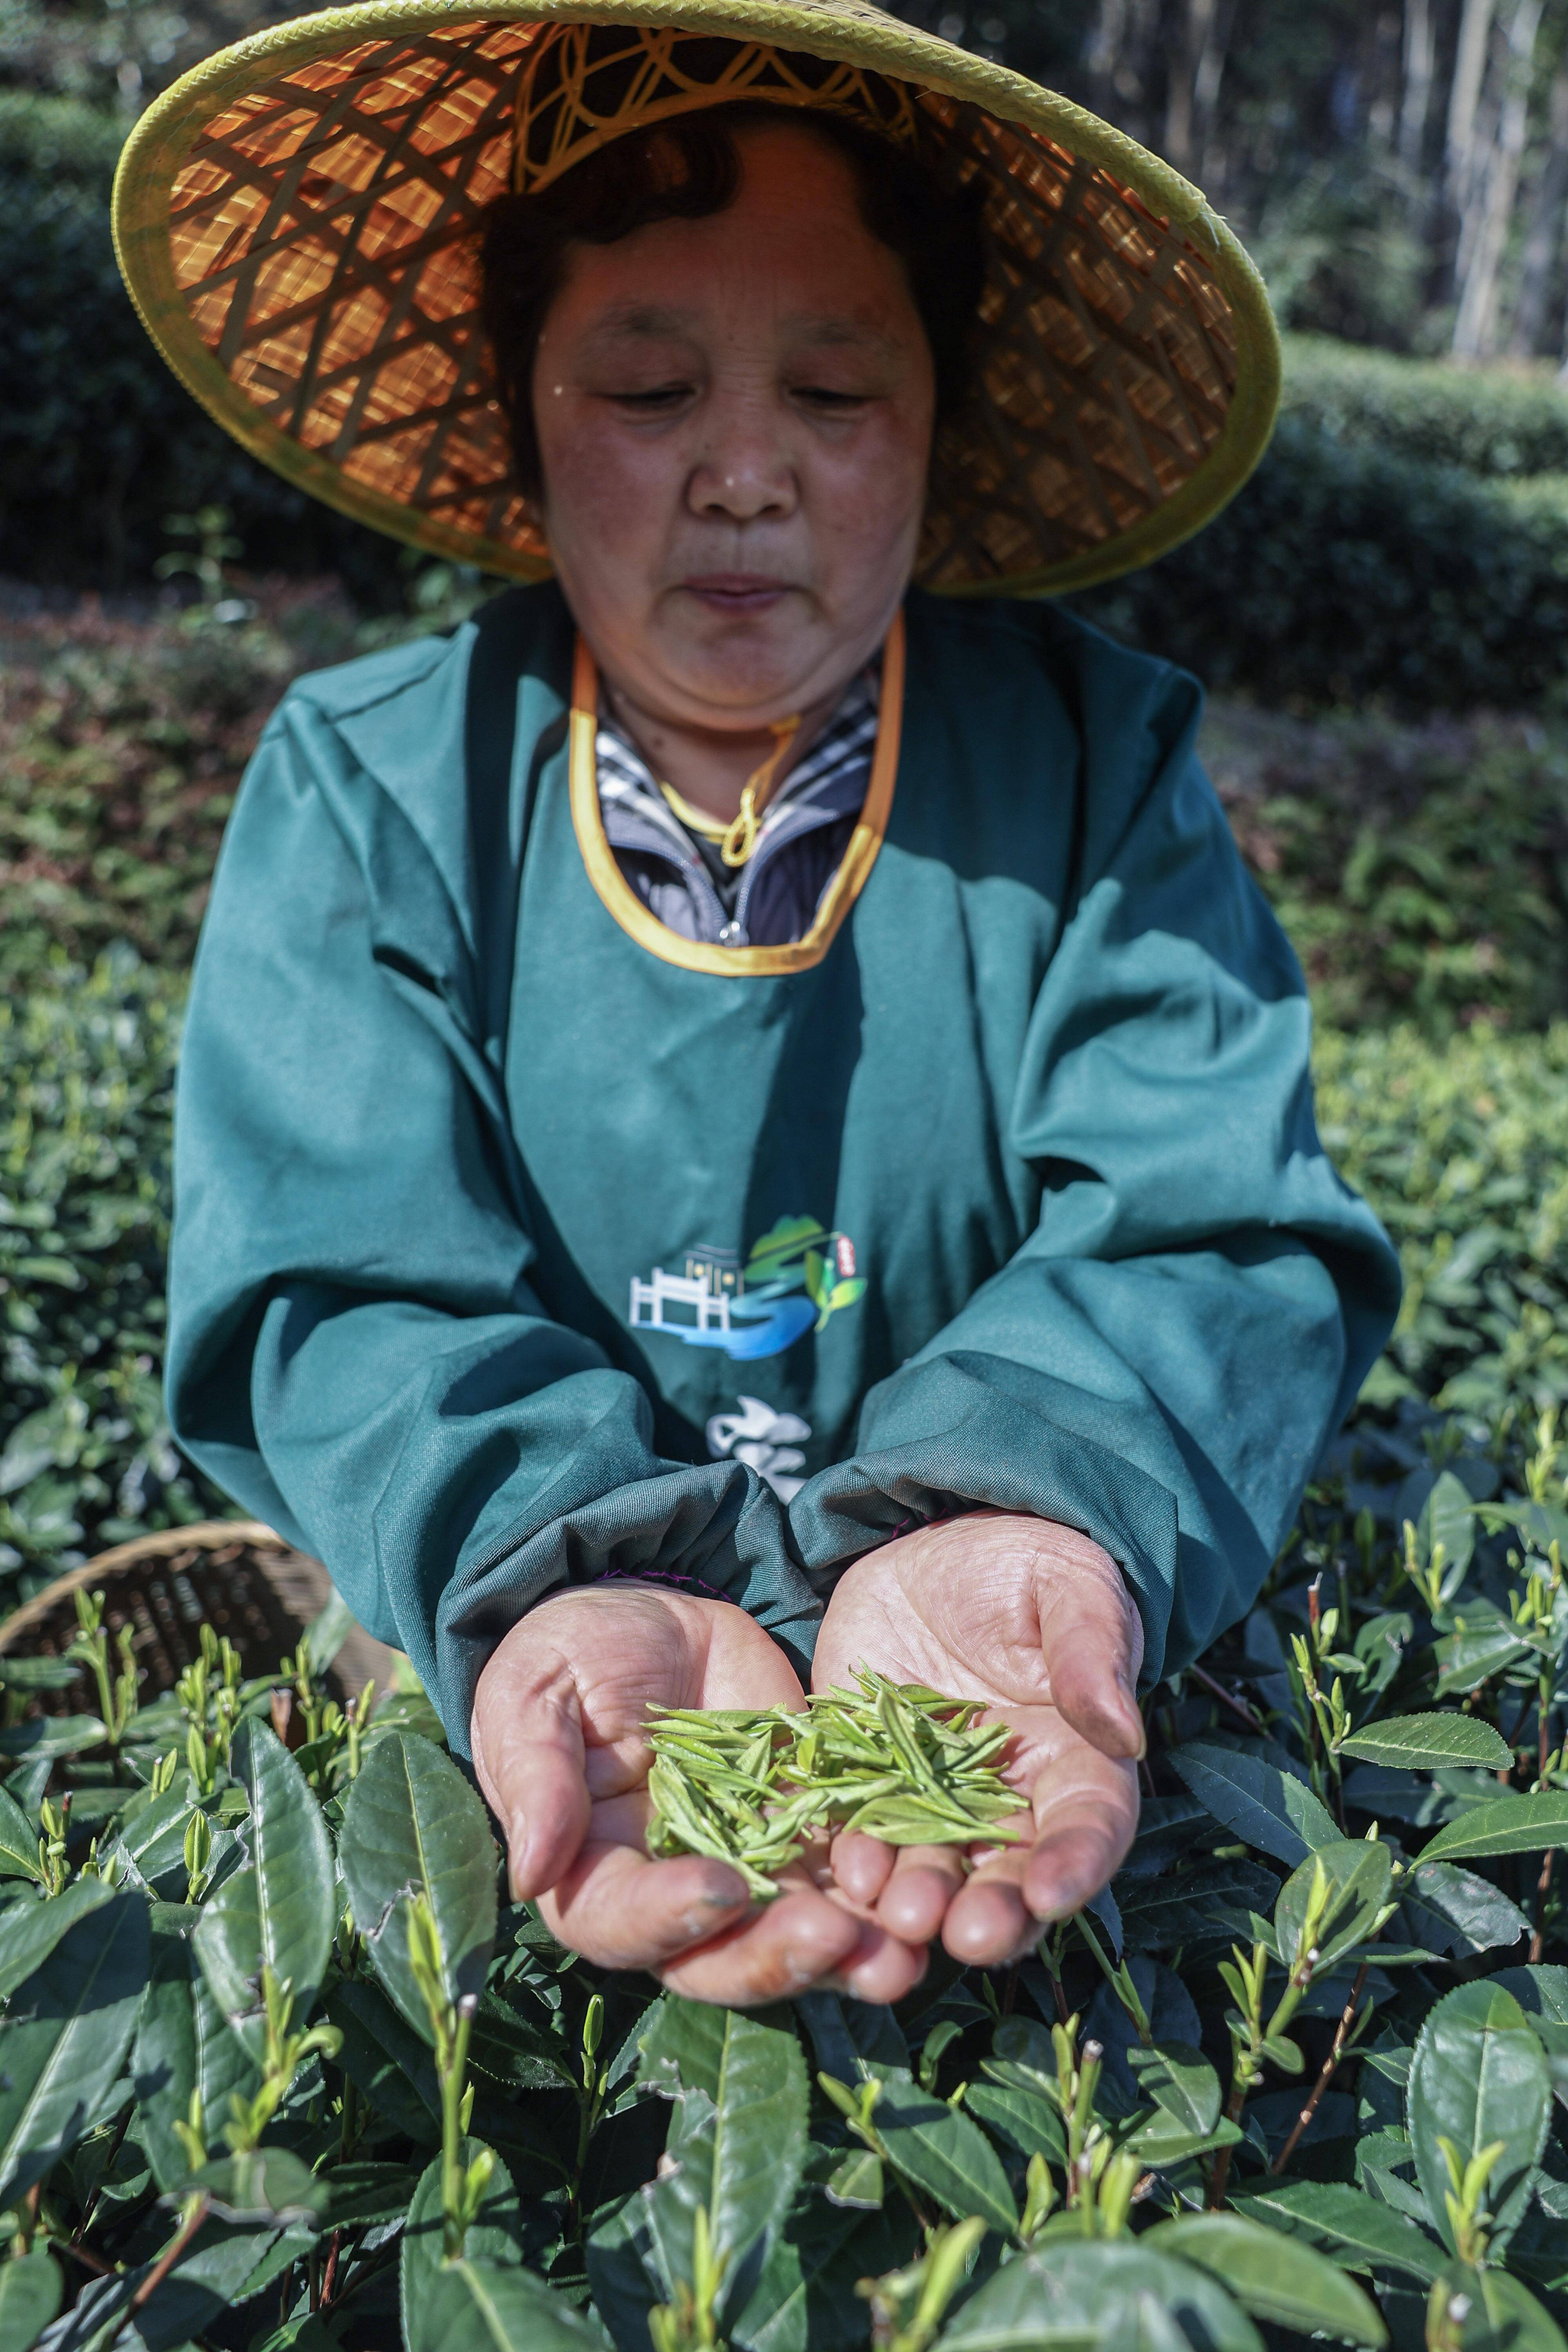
901	1762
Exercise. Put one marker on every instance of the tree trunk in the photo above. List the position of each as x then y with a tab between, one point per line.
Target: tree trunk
1466	91
1416	89
1205	94
1544	235
1181	125
1493	185
1104	53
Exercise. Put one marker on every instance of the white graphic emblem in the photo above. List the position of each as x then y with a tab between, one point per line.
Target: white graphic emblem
766	1441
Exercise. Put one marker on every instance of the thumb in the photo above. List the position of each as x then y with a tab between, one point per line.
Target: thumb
530	1760
1092	1644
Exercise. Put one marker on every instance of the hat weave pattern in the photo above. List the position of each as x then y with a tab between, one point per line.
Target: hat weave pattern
322	228
588	84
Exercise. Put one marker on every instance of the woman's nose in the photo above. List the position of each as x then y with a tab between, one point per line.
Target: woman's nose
744	472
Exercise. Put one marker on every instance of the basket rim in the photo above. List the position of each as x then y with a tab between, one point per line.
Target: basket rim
164	1543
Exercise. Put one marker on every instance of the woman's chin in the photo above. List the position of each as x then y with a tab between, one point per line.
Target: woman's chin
743	667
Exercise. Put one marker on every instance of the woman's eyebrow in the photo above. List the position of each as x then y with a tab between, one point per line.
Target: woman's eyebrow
647	321
653	322
834	327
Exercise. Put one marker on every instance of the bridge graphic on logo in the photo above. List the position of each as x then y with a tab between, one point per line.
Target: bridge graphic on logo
795	1277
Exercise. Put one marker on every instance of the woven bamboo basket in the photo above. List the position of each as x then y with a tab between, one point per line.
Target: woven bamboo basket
235	1575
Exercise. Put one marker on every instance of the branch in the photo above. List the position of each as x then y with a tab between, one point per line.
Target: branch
1327	2071
164	2263
1227	1699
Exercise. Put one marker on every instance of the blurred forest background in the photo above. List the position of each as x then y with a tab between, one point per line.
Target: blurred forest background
1382	616
1400	170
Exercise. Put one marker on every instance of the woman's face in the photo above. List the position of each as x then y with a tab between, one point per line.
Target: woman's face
735	422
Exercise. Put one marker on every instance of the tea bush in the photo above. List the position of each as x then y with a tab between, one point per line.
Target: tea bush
1345	573
1497	421
1422	871
99	442
280	2066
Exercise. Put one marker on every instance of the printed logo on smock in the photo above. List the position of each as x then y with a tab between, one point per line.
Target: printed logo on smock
768	1442
794	1279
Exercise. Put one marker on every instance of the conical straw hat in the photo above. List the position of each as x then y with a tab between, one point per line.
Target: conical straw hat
298	221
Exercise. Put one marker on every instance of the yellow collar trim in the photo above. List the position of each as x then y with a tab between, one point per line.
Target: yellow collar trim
711	828
699	955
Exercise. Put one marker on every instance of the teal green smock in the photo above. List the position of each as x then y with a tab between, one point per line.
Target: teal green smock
1045	1223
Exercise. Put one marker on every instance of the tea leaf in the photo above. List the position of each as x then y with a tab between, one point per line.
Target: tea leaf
1263	1805
1448	1517
1478	2077
1074	2296
1421	1743
742	2089
1358	1876
1504	2317
1183	2087
53	1735
18	1842
487	2306
1507	1825
412	1822
30	2292
491	2237
1280	2280
1353	2229
942	2151
278	1912
30	1931
64	2035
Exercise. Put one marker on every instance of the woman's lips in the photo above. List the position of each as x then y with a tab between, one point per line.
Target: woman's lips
736	592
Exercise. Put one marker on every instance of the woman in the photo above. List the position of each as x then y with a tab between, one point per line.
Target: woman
740	1116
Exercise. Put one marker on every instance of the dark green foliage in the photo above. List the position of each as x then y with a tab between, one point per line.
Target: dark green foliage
1420	871
98	442
1345	573
121	748
1464	1154
1341	253
1080	2150
85	1089
1496	421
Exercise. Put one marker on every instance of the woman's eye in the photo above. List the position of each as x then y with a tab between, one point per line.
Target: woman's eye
656	398
830	401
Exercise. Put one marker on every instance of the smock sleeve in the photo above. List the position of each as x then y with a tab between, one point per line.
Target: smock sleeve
1162	1362
355	1352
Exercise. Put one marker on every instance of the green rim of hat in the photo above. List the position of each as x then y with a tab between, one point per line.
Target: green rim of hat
298	218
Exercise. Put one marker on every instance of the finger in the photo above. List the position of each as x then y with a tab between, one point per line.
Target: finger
922	1883
1086	1811
790	1945
861	1865
1086	1808
883	1967
989	1923
622	1911
530	1763
1092	1643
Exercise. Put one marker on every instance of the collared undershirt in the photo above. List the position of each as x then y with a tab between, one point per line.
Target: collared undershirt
801	839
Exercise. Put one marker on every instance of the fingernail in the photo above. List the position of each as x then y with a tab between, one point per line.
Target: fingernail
724	1890
1133	1713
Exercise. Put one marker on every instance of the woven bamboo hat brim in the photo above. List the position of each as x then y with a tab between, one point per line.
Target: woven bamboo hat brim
297	222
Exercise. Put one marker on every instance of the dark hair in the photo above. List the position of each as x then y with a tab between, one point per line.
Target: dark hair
688	168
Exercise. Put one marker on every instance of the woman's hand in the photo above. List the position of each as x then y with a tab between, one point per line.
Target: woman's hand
1033	1618
559	1753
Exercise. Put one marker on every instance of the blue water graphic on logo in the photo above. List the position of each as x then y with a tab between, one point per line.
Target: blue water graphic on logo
794	1278
779	1327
